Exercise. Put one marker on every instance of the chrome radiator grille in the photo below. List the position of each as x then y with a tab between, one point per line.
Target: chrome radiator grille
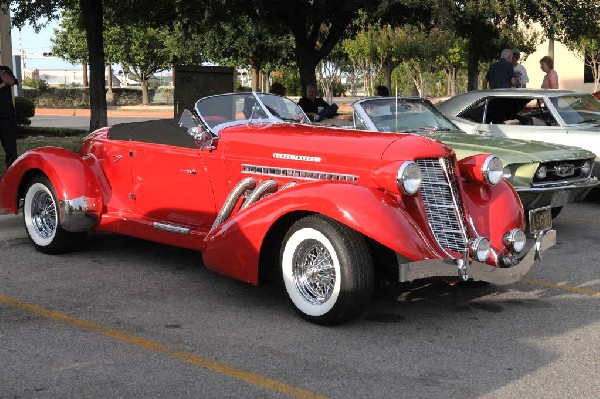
443	206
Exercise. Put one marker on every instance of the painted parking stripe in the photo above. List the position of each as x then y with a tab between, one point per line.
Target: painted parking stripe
564	287
220	368
575	219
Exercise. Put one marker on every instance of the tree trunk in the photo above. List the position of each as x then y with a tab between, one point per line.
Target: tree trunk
84	81
473	71
145	98
307	66
92	11
255	78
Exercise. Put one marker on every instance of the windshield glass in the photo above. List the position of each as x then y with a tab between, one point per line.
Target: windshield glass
283	108
238	108
412	115
576	109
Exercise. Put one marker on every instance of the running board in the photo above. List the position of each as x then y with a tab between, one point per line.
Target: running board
171	228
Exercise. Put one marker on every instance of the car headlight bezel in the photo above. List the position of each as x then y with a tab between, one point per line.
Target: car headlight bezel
480	248
586	168
493	170
409	178
541	172
515	240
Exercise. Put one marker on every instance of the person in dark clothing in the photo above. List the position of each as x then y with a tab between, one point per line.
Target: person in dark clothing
315	107
501	73
8	125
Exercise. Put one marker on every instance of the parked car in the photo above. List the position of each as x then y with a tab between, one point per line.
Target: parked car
246	180
538	171
553	116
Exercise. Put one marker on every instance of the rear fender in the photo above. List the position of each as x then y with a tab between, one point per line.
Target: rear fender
233	248
76	186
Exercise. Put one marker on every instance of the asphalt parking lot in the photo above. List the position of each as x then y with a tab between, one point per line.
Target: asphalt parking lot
132	319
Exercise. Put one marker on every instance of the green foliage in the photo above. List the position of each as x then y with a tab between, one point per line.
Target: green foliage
167	93
41	85
25	109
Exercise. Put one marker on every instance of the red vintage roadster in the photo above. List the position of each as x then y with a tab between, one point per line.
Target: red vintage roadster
248	181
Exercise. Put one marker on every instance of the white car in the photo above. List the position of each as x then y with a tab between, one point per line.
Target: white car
553	116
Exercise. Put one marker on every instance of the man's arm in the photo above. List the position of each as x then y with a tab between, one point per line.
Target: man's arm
7	77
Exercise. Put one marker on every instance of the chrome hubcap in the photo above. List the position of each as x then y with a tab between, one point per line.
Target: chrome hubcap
314	273
43	214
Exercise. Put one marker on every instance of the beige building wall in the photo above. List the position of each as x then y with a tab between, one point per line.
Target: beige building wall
568	66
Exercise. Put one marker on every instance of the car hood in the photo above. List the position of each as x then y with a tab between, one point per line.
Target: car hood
303	145
510	150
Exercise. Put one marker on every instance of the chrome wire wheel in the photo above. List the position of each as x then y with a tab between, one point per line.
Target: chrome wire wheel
327	270
42	219
313	272
40	214
43	214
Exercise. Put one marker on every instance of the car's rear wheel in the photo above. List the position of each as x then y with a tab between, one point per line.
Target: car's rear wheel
42	221
327	270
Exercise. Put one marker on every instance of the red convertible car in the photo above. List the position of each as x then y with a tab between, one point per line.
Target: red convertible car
248	181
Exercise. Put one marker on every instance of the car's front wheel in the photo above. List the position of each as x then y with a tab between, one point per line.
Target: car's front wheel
327	270
42	222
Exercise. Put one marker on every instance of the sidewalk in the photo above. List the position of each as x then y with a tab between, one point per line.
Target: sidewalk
152	111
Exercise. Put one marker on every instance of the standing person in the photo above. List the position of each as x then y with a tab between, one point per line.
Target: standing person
551	78
8	125
315	107
501	74
520	71
277	88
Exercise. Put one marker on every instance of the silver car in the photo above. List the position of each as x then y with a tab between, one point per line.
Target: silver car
552	116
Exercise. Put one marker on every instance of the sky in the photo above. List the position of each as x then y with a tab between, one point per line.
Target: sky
34	44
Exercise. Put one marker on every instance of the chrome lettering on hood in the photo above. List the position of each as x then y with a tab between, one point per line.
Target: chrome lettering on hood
296	157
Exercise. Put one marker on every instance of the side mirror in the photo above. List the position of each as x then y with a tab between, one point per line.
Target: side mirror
203	138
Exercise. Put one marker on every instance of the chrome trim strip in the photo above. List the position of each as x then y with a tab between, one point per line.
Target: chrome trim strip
571	184
296	173
171	228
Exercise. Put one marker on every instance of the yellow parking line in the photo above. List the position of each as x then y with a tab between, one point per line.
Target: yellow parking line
579	219
211	365
560	286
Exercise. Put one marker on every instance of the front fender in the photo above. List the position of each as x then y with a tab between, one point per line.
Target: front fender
233	248
75	184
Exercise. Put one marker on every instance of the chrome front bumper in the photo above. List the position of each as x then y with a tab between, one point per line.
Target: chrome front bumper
476	270
556	194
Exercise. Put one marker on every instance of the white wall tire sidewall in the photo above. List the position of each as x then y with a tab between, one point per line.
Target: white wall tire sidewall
288	275
35	237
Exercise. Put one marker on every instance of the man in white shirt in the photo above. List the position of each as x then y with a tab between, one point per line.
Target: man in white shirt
520	71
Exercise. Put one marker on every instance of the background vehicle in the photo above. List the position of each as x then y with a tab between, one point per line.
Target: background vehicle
552	116
246	181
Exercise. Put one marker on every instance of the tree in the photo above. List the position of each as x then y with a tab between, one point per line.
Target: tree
245	40
317	26
69	41
141	51
33	11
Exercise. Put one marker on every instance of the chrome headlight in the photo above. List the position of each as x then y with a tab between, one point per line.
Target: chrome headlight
515	240
541	172
479	248
507	173
409	177
586	168
493	169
